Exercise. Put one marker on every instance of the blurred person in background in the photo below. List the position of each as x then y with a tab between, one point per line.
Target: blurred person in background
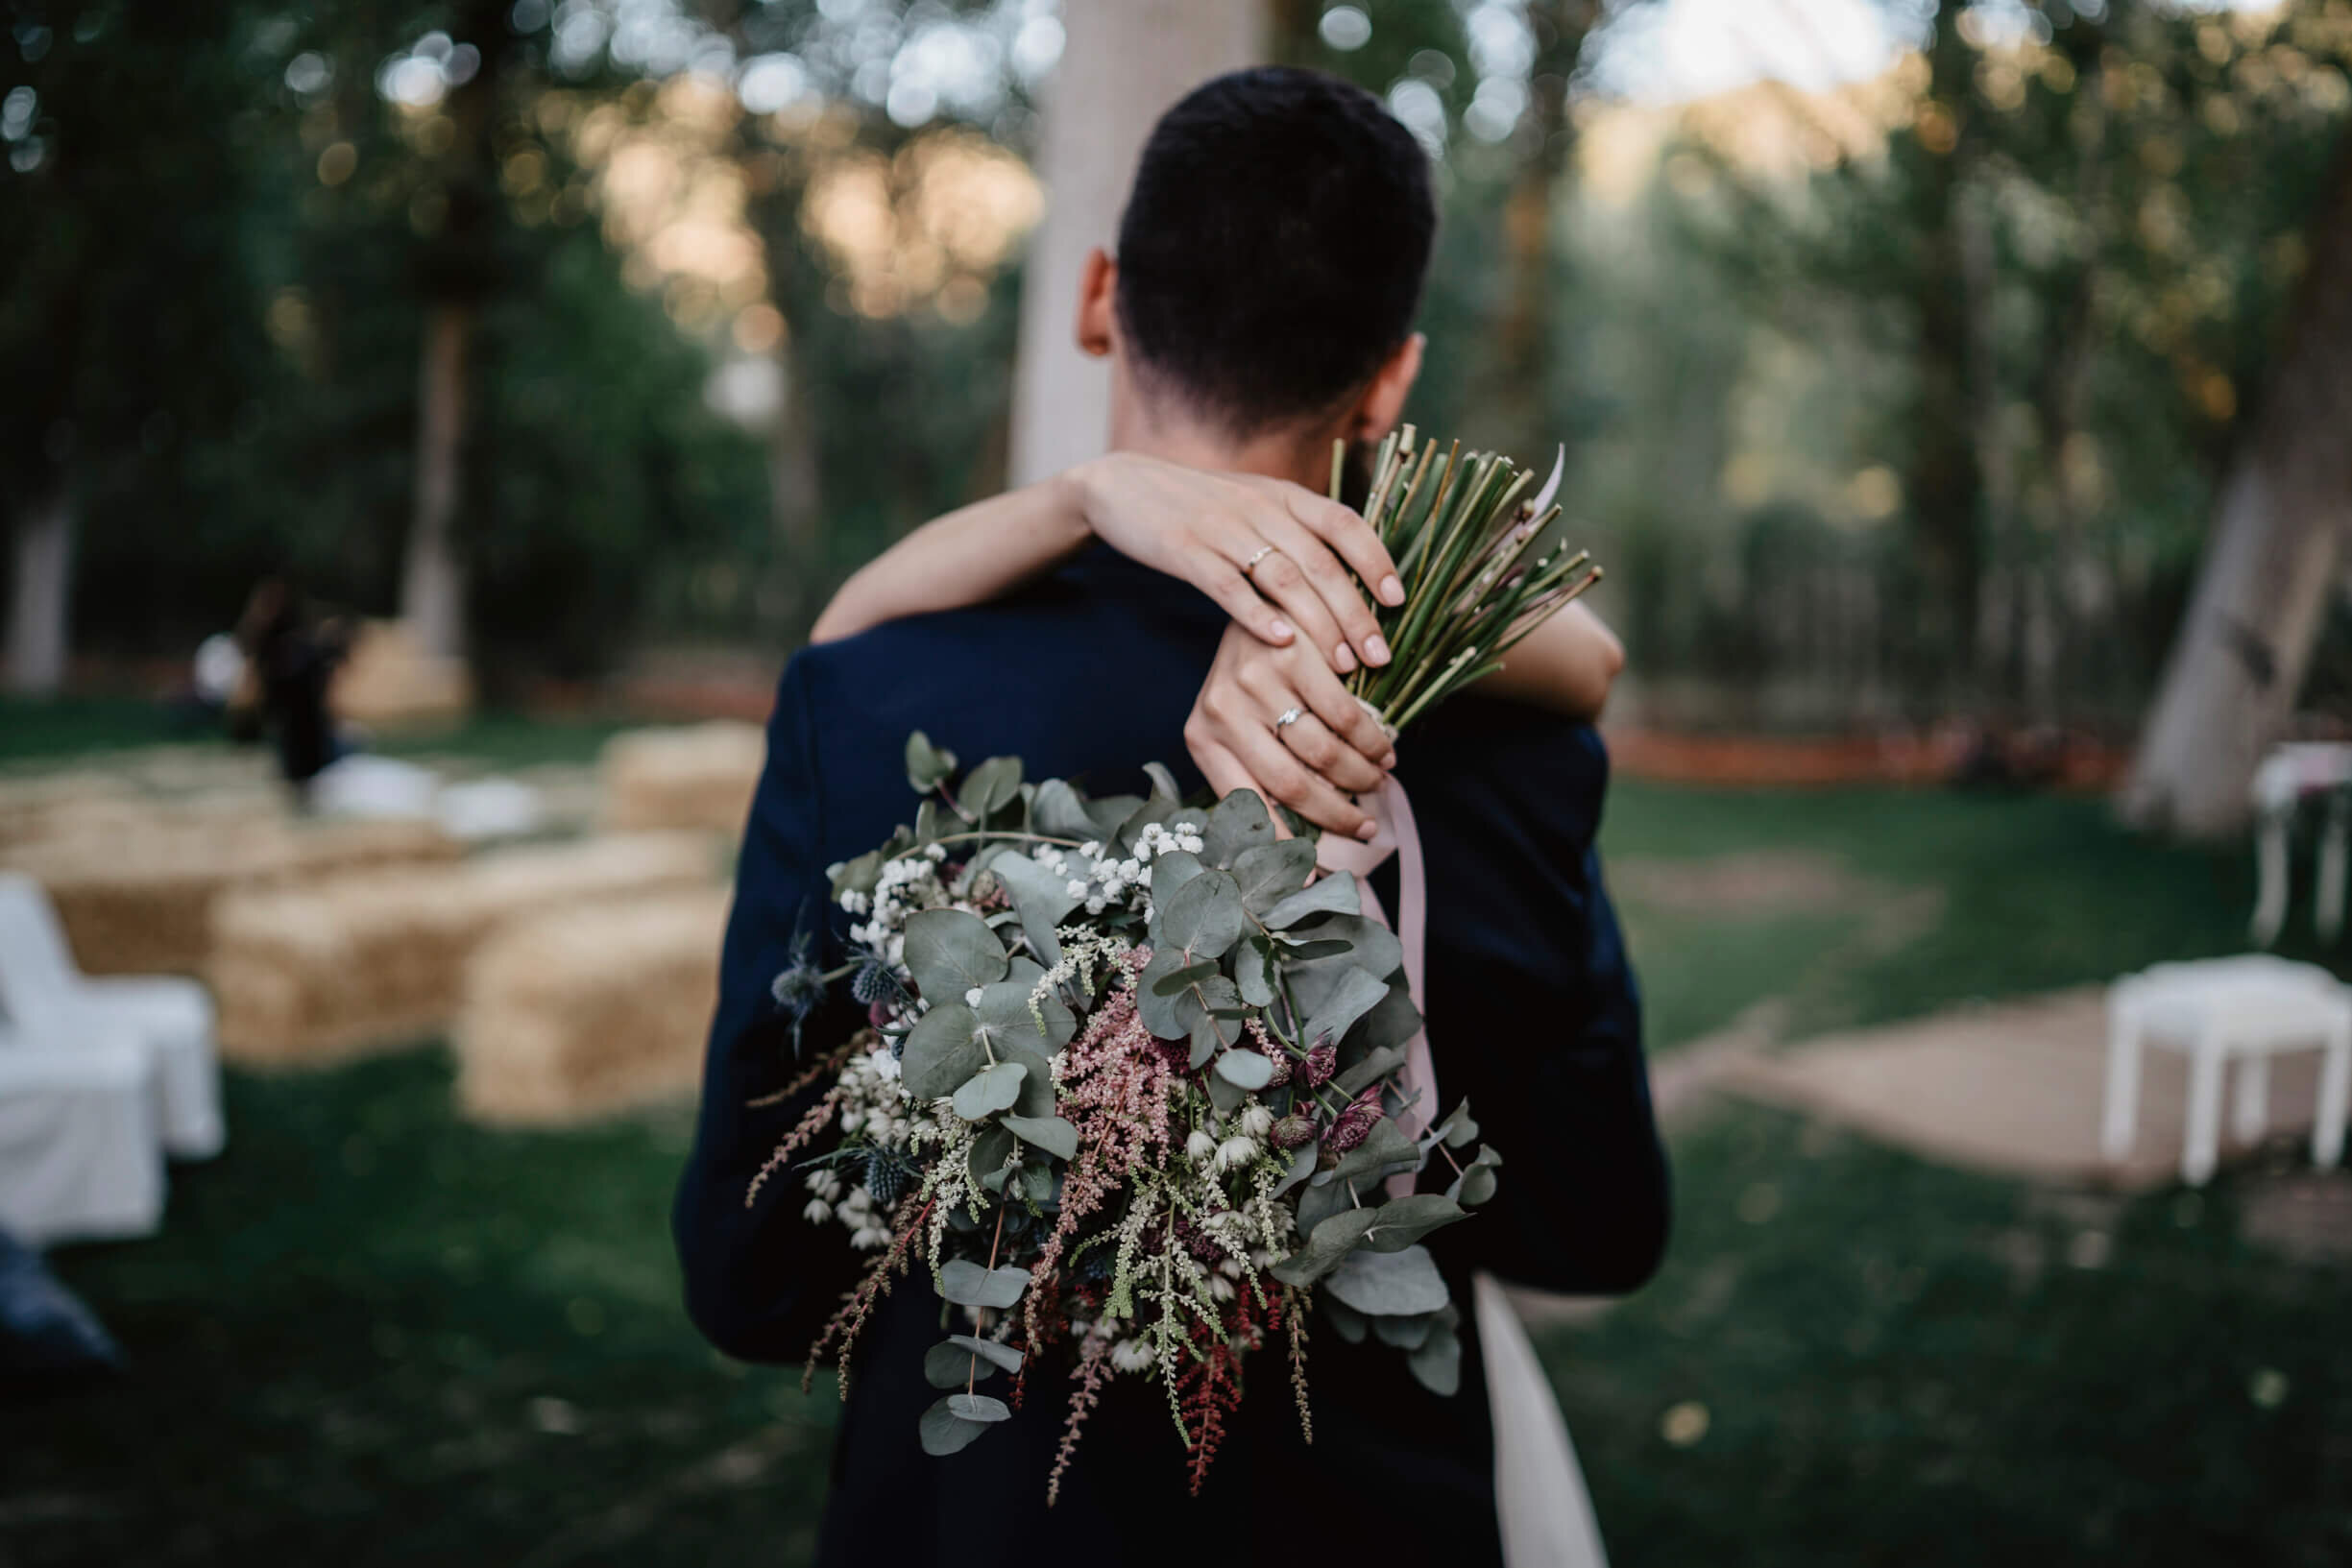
290	659
1270	266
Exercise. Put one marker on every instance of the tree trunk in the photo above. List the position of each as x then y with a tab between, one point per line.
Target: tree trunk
1124	63
432	581
2239	658
40	600
1515	404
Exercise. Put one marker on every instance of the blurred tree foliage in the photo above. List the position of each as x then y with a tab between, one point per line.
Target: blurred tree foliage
1879	398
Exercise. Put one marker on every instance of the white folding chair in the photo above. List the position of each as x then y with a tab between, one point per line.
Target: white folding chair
49	1000
80	1156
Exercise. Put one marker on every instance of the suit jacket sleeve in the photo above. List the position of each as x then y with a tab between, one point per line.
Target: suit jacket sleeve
760	1278
1536	1017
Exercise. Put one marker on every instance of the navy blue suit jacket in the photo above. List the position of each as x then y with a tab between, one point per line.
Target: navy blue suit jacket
1532	1013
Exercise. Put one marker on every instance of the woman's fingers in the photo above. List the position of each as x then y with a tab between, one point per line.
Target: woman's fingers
1340	714
1315	745
1238	597
1305	558
1287	780
1346	532
1277	577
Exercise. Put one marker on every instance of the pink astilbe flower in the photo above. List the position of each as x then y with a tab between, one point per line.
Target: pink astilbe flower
1118	1088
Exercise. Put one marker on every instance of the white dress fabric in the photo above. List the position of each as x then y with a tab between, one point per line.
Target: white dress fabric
1539	1497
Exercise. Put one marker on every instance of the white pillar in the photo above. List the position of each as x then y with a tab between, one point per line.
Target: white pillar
1122	62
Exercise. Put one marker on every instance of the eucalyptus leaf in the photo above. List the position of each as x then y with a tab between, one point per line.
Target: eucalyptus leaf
990	1090
1437	1362
977	1407
1476	1183
1303	952
1057	811
1004	1010
1159	1013
1303	1166
1355	994
958	1361
1182	980
1204	916
968	1283
942	1050
1352	1324
1317	1203
1384	1148
1405	1333
950	952
995	783
1002	1356
1163	781
1457	1129
1393	1022
1404	1220
927	766
1326	1247
1225	1095
1332	894
1389	1284
1247	1069
943	1432
858	876
1269	873
989	1152
1236	823
1041	898
1253	971
1172	870
1372	1063
1050	1133
1376	950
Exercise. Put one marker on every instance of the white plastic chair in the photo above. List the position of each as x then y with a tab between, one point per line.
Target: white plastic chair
2248	1008
54	1005
79	1155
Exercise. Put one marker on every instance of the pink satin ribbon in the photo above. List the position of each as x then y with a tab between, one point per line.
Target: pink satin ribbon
1395	834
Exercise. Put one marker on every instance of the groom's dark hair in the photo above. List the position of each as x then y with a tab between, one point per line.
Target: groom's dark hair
1272	249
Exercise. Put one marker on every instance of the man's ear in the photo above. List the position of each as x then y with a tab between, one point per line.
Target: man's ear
1097	316
1383	402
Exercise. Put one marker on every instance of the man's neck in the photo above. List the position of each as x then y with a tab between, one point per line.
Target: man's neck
1289	454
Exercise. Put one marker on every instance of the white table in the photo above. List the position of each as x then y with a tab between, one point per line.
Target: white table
2248	1008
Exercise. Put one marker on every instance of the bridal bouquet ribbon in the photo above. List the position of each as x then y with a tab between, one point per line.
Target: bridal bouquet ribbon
1144	1086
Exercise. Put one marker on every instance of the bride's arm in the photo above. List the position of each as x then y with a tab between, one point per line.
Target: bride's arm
1274	555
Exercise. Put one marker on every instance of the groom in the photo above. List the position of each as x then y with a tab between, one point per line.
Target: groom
1270	261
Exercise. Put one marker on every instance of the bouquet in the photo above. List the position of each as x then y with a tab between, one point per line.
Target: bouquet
1133	1087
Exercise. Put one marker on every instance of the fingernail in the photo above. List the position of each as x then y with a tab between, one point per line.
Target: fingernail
1391	591
1279	630
1389	762
1344	657
1366	831
1376	649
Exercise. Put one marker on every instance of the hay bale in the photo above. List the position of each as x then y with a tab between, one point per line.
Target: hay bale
33	807
390	683
587	1011
689	776
343	964
136	894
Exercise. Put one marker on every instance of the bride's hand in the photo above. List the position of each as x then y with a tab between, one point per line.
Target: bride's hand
1268	551
1334	748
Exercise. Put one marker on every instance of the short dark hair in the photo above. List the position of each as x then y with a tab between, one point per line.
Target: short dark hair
1274	246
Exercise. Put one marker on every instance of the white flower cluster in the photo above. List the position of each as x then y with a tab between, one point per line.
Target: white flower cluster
906	884
1112	881
853	1205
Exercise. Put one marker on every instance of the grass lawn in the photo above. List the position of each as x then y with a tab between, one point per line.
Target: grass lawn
371	1333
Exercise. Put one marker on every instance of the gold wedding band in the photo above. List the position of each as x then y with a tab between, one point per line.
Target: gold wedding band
1250	565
